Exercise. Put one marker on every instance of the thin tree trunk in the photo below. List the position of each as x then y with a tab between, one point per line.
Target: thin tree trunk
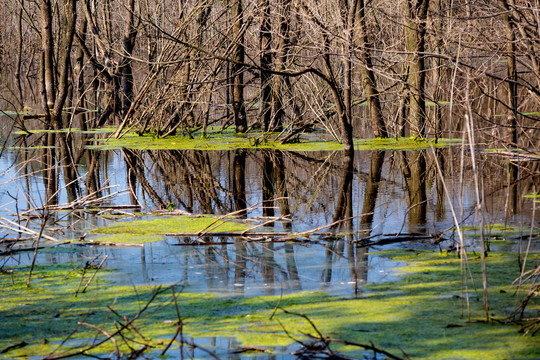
265	43
64	63
511	72
239	109
368	77
125	66
47	51
415	15
280	61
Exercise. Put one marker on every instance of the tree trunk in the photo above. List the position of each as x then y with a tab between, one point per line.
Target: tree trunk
511	72
265	43
47	51
239	109
415	16
280	61
64	61
125	67
368	77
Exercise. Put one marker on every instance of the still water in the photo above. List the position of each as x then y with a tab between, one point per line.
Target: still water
381	193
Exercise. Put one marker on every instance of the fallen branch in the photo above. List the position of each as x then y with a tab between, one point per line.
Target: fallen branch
24	230
394	238
13	347
108	337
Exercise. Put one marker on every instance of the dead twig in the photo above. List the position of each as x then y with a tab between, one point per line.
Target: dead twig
321	344
108	337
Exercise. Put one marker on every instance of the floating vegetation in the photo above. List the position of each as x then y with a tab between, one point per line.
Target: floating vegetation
422	315
534	196
228	140
142	231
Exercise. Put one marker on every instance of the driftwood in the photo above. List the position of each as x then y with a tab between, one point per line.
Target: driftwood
386	239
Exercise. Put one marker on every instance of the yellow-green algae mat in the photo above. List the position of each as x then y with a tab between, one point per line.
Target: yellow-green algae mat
142	231
228	140
421	314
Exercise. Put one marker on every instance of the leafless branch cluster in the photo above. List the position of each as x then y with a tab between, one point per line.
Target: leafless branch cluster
174	66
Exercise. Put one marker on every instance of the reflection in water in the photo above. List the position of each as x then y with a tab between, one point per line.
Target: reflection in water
239	181
376	192
344	204
417	190
372	189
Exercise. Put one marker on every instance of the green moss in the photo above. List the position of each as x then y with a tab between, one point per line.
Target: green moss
421	314
141	231
228	140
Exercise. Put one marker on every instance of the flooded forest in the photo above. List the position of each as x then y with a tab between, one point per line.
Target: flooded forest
270	179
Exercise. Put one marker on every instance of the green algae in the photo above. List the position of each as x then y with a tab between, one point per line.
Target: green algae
422	314
228	140
142	231
497	233
534	196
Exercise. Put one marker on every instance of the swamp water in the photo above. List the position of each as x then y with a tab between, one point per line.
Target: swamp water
119	218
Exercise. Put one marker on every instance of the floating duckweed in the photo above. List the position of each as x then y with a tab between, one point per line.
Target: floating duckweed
141	231
228	140
423	315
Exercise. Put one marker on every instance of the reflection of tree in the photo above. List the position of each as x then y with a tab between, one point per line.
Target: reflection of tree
70	171
269	268
414	173
268	184
371	191
92	182
135	163
344	203
240	267
292	269
49	175
239	181
358	266
440	186
513	177
274	185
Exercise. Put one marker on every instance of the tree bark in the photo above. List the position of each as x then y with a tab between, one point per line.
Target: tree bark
239	109
511	72
368	77
415	17
280	63
265	43
47	52
125	66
